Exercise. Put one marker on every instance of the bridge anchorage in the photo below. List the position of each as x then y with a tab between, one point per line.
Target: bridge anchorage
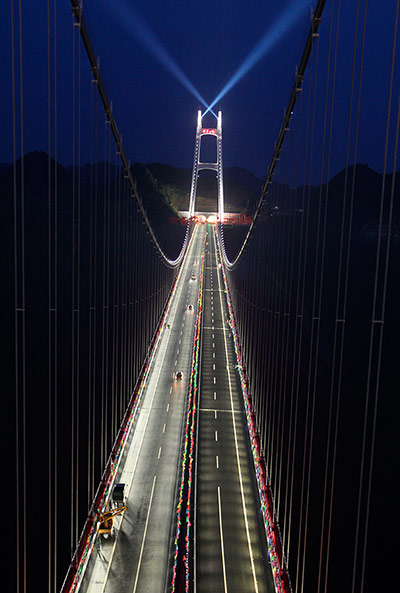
199	166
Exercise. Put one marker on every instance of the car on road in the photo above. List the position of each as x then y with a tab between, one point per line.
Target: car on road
179	376
190	308
193	277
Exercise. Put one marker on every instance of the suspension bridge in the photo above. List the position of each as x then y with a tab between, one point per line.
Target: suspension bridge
204	408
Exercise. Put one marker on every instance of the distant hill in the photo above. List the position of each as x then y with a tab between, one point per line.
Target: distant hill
241	188
365	201
165	189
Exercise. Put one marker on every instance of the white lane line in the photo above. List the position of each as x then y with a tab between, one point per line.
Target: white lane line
144	537
217	461
239	470
219	410
213	367
173	307
215	380
213	354
170	390
215	395
167	407
221	533
177	351
159	453
215	414
163	428
216	435
176	362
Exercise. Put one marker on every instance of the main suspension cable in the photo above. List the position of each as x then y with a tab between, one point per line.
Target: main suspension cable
312	35
77	12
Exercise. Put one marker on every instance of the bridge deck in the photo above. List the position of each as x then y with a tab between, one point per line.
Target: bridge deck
136	558
231	554
230	550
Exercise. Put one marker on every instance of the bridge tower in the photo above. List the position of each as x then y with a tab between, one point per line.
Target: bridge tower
199	166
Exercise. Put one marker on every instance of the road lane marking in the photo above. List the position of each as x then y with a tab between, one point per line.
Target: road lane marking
220	410
159	453
239	470
144	537
133	471
216	436
163	428
221	533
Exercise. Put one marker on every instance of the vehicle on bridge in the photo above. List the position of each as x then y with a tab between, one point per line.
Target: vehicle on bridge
106	520
179	376
118	495
190	308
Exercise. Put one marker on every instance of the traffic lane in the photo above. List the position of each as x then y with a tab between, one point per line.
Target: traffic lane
223	546
168	473
159	455
142	561
255	533
101	563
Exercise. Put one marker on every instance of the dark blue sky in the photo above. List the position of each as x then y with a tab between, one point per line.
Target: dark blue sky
209	41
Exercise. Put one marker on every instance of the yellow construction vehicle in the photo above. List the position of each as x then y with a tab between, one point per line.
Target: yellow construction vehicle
106	520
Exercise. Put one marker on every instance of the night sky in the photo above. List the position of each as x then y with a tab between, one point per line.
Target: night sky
208	42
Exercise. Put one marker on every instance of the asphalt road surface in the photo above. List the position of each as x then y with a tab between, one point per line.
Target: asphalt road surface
230	549
136	558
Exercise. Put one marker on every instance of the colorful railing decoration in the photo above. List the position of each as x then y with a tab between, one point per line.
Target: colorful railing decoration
181	569
86	542
272	530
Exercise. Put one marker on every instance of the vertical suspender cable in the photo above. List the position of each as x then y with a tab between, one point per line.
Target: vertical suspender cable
55	275
329	427
72	493
301	266
304	279
19	308
319	269
52	299
341	300
292	213
377	323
